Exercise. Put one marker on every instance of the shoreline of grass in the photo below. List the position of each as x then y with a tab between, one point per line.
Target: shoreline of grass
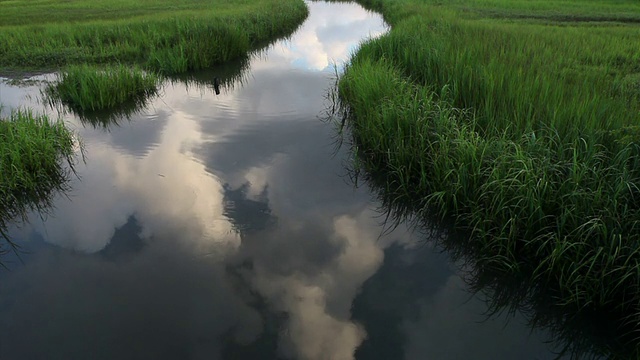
37	159
524	134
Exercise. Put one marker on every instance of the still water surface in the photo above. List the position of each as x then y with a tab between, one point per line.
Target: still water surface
223	226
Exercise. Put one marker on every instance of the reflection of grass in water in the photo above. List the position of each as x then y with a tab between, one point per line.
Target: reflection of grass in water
37	156
106	118
224	77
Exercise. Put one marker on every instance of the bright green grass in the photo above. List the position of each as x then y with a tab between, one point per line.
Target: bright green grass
88	88
36	158
524	130
167	36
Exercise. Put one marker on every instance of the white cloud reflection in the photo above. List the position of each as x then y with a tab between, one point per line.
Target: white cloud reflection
319	303
165	188
330	34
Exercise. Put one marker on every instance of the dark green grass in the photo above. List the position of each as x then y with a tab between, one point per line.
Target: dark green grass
96	40
37	156
523	133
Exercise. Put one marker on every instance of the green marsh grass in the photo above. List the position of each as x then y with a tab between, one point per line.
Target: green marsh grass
88	88
569	227
165	36
37	158
578	336
523	132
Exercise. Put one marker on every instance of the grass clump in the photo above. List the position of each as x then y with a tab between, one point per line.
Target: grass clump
87	88
37	157
522	130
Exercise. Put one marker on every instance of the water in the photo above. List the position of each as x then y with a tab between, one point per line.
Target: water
224	226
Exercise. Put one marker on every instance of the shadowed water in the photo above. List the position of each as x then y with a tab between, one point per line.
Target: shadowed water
208	226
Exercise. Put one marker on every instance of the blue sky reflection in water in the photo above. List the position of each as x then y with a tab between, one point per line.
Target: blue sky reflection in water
222	226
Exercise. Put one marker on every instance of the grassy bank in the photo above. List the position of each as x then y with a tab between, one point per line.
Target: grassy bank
520	121
166	36
36	158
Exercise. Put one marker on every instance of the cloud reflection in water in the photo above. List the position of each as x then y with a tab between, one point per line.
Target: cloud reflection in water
222	227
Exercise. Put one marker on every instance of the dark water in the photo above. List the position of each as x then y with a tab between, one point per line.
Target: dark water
223	226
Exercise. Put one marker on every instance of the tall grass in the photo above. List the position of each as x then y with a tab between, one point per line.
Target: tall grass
568	225
583	335
94	41
37	157
519	77
524	134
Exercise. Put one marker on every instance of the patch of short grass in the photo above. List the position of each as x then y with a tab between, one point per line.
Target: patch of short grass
88	88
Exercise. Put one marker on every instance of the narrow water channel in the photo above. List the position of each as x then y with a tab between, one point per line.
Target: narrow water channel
223	225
